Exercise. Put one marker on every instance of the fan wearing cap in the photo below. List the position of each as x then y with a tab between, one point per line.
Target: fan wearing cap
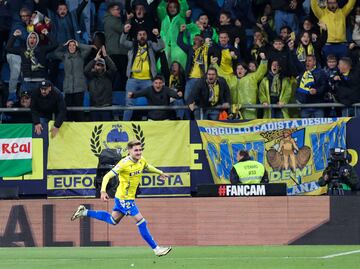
100	72
23	102
46	101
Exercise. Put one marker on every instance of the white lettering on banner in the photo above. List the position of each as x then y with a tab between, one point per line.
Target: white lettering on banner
245	190
15	148
270	126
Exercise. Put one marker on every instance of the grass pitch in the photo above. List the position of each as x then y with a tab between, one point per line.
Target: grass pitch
219	257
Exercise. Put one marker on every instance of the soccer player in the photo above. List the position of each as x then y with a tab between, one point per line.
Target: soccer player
129	170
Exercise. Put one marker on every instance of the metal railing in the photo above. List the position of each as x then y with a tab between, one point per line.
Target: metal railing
146	108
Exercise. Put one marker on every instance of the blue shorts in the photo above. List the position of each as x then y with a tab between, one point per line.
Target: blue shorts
126	207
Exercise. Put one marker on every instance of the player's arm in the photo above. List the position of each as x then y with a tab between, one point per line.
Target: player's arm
109	175
153	169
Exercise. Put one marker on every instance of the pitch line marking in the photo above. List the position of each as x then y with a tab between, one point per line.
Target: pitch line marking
340	254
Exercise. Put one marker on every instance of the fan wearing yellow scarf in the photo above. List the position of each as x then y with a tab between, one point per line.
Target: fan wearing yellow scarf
312	85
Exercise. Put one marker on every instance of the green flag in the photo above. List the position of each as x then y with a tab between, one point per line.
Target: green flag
15	149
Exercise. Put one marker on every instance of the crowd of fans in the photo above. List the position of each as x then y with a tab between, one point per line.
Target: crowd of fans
216	54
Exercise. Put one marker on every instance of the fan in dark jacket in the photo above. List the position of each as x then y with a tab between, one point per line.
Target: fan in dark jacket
33	58
347	84
100	72
311	89
210	92
46	101
158	95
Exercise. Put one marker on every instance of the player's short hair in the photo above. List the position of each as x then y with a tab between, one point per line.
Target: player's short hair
133	143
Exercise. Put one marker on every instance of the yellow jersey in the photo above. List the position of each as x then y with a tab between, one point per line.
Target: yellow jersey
129	173
141	65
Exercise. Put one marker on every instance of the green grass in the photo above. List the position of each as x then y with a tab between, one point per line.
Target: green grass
219	257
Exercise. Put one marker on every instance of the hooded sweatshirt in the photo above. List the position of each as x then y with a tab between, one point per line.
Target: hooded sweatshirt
33	58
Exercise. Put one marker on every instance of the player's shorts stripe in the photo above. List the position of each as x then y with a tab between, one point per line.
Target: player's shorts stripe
140	221
113	221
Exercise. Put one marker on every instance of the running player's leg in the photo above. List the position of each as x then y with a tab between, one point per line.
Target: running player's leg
144	231
113	218
145	234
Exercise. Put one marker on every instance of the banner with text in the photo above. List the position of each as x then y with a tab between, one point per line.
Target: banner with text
15	149
73	156
294	152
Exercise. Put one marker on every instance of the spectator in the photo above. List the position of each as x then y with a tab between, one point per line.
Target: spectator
235	31
311	88
244	88
200	27
252	66
171	20
335	20
260	44
65	26
279	52
33	58
356	30
74	81
267	17
308	26
306	47
286	34
140	18
354	47
197	59
210	93
46	101
113	28
40	22
347	85
14	61
177	82
141	62
65	23
224	55
97	42
286	13
247	171
275	89
24	102
100	72
158	95
331	70
5	24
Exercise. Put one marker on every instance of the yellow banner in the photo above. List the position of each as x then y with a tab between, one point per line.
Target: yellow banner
166	143
293	151
73	155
